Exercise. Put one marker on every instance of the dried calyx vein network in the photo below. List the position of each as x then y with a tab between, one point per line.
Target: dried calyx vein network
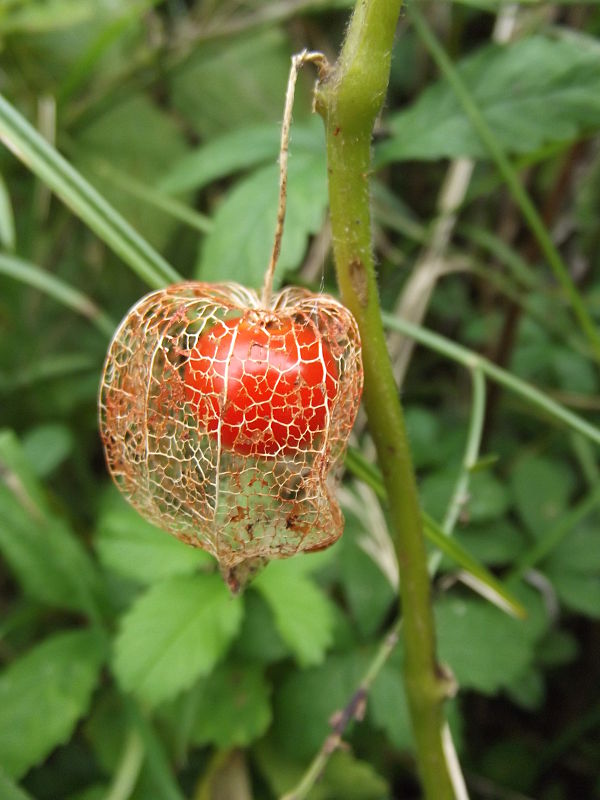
225	414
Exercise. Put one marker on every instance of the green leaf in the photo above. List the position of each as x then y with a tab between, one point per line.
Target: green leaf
344	776
532	92
237	150
106	729
424	432
47	446
366	589
9	790
541	490
239	246
43	694
233	707
488	498
40	549
577	590
557	648
258	640
388	708
303	615
497	542
528	689
221	89
174	633
486	649
134	548
579	551
352	779
114	139
305	701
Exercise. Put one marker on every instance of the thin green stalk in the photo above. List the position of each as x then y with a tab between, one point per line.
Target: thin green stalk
157	762
471	455
509	174
349	99
40	279
472	360
81	197
7	218
128	770
350	712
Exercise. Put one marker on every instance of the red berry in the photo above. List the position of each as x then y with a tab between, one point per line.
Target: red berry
266	385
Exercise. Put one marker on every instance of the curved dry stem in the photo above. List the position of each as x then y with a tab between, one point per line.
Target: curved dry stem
298	61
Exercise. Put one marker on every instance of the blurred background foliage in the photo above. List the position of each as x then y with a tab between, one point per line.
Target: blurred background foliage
127	670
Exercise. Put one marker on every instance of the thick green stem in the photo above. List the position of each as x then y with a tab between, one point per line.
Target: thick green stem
349	99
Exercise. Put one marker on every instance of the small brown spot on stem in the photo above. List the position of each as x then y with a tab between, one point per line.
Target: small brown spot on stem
358	277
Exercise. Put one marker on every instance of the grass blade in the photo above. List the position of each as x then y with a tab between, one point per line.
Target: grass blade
81	197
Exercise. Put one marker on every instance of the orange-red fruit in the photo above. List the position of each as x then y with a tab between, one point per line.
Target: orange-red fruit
263	386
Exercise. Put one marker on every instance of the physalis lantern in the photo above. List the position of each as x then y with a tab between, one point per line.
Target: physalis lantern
224	421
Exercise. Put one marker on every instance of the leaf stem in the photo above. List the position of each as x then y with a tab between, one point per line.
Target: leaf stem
509	174
128	769
349	99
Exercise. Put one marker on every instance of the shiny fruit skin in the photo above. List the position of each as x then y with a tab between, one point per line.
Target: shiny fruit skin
266	386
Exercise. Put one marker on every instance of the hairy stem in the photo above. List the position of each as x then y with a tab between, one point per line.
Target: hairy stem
349	100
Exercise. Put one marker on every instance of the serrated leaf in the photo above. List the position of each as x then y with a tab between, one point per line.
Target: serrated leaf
221	88
541	489
532	92
233	707
173	634
134	548
43	694
485	648
303	614
239	246
40	548
237	150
